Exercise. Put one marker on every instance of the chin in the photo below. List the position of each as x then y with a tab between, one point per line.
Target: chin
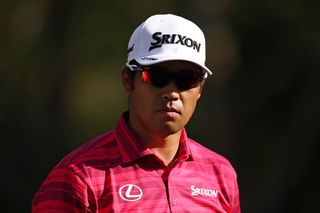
169	128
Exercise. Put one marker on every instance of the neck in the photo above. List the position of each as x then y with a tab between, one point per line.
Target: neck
165	148
163	141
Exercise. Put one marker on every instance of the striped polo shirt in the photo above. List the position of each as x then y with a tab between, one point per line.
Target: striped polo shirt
116	173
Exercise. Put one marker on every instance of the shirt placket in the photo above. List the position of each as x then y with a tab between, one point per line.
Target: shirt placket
165	176
168	179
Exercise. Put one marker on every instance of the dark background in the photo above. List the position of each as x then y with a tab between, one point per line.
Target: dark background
60	86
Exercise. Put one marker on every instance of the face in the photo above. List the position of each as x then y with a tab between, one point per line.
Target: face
161	110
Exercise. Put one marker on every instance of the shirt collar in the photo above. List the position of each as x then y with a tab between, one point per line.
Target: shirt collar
184	152
131	148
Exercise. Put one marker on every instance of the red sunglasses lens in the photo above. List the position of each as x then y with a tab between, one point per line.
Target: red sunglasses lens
145	76
160	77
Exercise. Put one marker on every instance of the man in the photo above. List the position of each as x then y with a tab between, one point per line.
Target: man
147	163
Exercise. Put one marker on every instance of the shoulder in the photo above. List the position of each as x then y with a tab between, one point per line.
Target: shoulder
96	152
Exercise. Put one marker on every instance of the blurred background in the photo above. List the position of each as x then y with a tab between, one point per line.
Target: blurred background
60	86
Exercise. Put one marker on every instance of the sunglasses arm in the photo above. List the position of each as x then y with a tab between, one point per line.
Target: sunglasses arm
134	67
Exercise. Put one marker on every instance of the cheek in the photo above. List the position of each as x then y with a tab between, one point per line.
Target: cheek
190	103
142	99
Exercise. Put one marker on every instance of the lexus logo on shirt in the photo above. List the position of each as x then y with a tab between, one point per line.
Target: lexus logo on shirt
130	192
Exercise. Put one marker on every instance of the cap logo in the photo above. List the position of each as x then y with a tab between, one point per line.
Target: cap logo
160	39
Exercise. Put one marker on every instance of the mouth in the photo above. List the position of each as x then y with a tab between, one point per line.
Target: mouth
169	111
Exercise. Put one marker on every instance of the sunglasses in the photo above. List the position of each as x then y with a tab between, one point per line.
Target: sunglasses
160	77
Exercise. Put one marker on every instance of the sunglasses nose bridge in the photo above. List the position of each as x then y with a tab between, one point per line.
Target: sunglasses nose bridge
177	82
170	91
163	79
173	80
173	84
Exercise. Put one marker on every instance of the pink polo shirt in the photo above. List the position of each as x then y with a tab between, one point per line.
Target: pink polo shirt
116	173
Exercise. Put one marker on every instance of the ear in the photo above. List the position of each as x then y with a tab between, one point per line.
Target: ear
200	90
199	96
127	81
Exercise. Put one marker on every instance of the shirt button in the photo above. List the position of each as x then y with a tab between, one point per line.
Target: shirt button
174	202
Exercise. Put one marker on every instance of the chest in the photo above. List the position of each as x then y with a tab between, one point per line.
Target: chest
186	187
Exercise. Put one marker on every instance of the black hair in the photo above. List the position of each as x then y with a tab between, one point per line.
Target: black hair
131	74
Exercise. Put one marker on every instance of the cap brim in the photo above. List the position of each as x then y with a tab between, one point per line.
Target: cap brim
151	60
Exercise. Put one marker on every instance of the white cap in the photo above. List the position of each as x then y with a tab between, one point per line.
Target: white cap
167	37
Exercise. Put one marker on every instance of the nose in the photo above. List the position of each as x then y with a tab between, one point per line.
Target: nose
170	92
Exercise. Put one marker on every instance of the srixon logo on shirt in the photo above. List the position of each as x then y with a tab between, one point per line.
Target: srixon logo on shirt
195	191
160	39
